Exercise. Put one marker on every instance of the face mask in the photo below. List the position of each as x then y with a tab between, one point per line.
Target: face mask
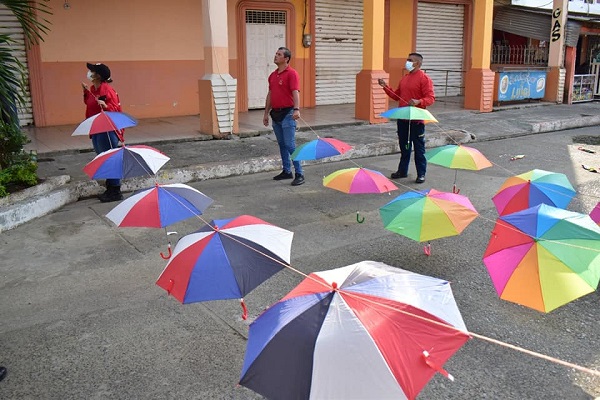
409	66
90	76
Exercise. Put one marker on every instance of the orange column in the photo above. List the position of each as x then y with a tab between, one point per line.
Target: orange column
479	79
556	71
217	89
370	98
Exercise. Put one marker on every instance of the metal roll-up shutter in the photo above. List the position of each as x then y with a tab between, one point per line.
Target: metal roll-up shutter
338	50
533	24
440	33
9	25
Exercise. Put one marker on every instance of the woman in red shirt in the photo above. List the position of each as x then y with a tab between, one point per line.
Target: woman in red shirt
100	96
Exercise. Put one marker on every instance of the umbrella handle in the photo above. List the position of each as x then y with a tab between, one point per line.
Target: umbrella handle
427	249
244	310
166	257
359	219
455	190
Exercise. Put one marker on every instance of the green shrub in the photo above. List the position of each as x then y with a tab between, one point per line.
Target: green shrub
17	168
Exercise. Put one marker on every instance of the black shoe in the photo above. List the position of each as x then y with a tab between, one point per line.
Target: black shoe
396	175
113	193
283	175
299	180
3	372
420	179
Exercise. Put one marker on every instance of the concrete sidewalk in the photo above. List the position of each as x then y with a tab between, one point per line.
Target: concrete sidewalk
194	158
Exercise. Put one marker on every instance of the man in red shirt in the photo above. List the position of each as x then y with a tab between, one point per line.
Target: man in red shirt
283	104
415	89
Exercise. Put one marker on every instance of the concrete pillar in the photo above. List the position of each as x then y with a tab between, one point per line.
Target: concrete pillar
479	79
217	89
371	100
556	72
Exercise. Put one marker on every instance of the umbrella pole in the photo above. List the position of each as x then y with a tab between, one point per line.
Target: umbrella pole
454	189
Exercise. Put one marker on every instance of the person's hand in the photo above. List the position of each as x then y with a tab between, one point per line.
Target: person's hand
381	82
102	104
414	102
84	86
266	120
296	115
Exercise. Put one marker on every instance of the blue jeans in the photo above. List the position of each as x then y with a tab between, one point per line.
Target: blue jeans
417	139
285	132
105	141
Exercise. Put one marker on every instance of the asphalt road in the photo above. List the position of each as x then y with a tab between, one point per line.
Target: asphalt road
82	317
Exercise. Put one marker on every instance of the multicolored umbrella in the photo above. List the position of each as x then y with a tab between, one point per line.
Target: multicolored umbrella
320	148
126	162
364	331
427	215
458	157
104	121
226	259
409	113
532	188
160	206
358	180
595	214
544	257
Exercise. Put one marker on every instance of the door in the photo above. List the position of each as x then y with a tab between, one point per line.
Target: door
442	49
265	33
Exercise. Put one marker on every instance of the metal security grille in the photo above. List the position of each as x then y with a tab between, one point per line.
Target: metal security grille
338	49
265	17
442	49
9	25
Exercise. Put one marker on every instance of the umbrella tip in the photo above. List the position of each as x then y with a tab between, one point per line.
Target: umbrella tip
334	285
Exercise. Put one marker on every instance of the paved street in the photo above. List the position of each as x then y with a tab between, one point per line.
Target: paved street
82	317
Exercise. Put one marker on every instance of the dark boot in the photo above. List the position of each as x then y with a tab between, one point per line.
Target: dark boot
113	193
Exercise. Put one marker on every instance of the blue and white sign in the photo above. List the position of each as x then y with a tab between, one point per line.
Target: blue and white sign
521	85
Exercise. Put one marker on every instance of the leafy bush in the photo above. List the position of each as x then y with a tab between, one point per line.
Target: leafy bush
17	168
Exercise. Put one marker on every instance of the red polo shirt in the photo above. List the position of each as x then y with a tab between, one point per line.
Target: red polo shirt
281	87
415	85
89	98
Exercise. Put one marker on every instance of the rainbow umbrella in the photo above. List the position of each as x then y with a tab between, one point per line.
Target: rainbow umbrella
544	257
427	215
458	157
363	331
410	113
532	188
595	214
320	148
358	180
104	121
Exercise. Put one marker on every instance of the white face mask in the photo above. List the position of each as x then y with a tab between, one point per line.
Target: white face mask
90	76
409	66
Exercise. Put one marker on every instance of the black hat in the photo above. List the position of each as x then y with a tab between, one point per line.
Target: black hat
101	70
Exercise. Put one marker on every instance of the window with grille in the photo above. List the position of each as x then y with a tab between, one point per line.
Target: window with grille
265	17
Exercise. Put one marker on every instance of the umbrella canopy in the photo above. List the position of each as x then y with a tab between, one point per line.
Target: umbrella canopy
458	157
103	122
358	180
126	162
428	214
320	148
544	257
364	331
160	206
409	113
595	214
532	188
226	260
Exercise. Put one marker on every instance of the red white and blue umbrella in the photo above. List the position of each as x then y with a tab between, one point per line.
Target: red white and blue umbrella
126	162
226	259
160	206
364	331
320	148
104	121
